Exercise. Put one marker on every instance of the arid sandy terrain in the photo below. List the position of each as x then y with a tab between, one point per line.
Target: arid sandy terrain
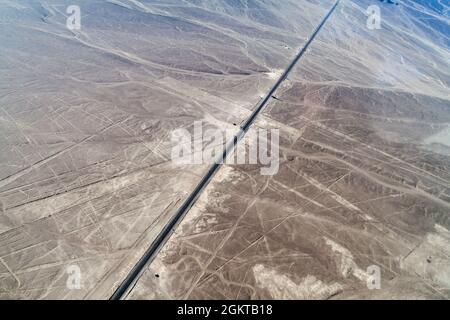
86	177
364	179
86	117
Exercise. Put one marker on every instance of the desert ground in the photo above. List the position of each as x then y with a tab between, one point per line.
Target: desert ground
86	177
364	180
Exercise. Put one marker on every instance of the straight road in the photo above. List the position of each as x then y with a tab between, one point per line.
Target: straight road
129	282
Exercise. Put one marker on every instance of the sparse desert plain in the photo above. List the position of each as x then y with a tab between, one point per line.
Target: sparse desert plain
86	177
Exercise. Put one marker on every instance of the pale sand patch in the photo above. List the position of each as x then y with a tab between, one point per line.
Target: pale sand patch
275	74
431	258
281	287
228	174
347	265
209	198
442	137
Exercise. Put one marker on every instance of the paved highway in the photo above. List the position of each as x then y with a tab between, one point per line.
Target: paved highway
131	279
